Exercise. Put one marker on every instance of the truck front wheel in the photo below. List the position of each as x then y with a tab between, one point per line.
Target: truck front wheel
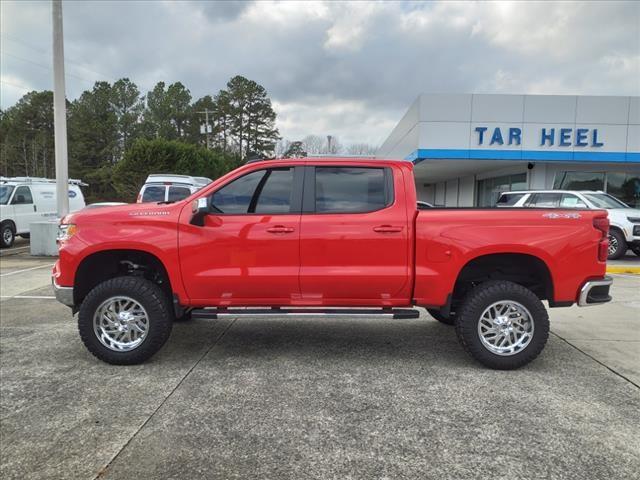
125	320
503	325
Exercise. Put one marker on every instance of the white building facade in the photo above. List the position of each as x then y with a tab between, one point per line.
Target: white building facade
469	148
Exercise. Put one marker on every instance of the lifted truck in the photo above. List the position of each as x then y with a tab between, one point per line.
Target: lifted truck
326	237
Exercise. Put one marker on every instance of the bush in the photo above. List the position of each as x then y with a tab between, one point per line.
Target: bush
166	156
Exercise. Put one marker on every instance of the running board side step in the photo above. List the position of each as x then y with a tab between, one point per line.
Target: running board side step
213	313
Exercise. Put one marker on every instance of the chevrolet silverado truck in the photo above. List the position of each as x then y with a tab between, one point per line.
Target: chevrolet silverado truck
315	237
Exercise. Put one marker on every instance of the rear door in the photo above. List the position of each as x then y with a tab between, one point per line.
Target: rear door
247	251
354	236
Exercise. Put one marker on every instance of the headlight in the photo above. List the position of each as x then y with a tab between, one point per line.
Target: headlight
66	231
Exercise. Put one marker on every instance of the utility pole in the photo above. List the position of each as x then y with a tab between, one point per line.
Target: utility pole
207	128
60	112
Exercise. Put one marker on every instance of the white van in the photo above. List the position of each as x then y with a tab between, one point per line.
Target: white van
169	187
24	200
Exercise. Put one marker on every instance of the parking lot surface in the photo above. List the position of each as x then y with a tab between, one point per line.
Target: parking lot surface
315	398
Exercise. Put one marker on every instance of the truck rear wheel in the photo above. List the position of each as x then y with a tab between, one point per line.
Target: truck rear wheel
125	320
502	325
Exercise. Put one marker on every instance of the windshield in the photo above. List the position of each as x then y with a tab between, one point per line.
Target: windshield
602	200
5	193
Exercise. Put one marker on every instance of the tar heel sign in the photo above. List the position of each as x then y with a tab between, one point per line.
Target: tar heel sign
547	137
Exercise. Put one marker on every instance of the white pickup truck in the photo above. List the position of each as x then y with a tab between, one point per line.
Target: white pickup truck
624	231
24	200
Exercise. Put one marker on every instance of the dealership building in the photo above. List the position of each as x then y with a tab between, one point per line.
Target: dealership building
467	148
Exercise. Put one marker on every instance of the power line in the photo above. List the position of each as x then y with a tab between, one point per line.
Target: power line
41	65
16	85
48	52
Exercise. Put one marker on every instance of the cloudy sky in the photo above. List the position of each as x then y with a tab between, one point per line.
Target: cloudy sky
347	69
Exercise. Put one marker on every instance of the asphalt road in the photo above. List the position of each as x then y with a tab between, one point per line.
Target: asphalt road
315	398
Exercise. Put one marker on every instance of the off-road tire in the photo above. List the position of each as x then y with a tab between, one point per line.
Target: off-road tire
145	292
447	320
622	244
7	235
473	306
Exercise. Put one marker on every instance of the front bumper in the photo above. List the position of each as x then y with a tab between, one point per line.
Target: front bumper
63	294
595	292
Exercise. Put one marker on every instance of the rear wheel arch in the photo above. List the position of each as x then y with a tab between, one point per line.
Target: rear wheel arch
524	269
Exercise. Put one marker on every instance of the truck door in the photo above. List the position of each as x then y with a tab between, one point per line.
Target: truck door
247	251
24	208
354	237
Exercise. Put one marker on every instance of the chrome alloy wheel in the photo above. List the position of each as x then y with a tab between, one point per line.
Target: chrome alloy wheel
121	324
505	328
613	245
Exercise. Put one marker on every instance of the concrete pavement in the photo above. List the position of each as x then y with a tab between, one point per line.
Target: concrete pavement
315	398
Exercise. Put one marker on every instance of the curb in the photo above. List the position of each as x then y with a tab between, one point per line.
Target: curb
623	269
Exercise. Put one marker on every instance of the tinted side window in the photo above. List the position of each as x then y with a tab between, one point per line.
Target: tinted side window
22	196
544	200
263	191
571	201
509	199
275	194
153	193
350	189
178	193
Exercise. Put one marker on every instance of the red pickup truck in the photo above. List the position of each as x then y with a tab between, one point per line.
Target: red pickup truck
326	237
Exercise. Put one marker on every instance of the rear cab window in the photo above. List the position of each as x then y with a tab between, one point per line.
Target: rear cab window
154	193
346	189
178	193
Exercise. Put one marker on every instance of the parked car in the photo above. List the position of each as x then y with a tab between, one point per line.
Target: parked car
24	200
624	232
310	237
422	205
169	187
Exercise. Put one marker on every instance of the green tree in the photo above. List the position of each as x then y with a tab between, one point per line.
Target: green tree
168	110
252	117
128	107
295	150
26	136
166	156
93	130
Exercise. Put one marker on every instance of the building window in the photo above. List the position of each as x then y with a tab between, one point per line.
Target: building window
622	185
490	189
579	181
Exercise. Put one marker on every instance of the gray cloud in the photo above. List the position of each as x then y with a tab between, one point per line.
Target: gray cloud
348	69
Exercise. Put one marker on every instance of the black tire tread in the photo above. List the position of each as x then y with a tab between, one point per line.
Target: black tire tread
142	290
482	296
622	245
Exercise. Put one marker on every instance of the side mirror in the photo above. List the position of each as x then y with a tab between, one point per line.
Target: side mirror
200	209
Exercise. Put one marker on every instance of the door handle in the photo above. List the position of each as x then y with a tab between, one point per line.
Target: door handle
35	209
387	229
280	229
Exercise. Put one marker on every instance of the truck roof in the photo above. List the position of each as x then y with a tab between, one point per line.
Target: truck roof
174	178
